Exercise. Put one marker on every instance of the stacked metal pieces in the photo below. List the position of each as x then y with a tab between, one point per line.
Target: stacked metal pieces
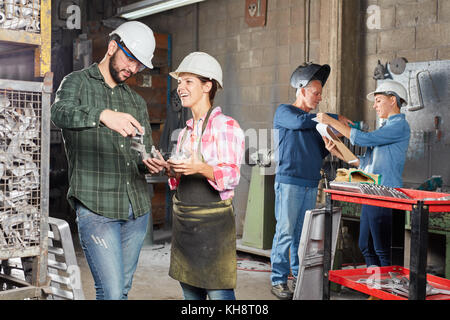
19	171
20	15
372	189
397	284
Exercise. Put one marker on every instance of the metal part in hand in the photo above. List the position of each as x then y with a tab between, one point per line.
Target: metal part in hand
137	143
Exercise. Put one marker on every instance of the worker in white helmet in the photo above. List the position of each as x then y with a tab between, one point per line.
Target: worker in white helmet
98	113
204	169
385	155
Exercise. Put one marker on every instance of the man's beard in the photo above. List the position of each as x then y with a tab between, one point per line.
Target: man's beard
113	70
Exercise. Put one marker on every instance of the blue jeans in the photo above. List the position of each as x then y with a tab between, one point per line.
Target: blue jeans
194	293
291	203
112	249
375	235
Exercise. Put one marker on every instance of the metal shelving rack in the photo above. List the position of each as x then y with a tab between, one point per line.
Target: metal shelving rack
39	36
420	204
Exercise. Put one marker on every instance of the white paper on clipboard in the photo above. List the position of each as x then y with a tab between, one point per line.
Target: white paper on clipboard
331	133
322	128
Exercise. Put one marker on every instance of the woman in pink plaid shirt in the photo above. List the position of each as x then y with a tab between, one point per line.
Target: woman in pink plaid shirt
204	169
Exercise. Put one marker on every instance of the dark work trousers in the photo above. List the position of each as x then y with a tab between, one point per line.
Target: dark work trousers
375	235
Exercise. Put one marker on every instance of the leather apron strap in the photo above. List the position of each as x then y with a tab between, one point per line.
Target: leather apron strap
195	188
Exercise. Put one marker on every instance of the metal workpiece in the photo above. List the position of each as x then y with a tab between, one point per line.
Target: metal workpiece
396	284
137	144
346	186
421	104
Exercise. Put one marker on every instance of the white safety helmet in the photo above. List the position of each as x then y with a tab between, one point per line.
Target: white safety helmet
202	64
391	87
139	39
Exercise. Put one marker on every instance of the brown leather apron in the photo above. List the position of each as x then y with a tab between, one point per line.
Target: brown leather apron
203	250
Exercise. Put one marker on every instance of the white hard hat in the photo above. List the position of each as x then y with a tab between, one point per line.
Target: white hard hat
139	39
391	87
202	64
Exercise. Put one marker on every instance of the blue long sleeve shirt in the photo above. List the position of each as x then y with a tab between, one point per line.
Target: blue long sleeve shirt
300	148
386	149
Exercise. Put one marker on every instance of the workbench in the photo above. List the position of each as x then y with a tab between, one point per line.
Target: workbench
420	204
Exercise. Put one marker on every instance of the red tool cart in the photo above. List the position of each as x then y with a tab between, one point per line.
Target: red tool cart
381	281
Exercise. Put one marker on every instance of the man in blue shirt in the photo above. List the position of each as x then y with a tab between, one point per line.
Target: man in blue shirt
299	158
385	155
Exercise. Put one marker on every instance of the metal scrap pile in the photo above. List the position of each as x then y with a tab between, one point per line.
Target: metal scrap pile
20	15
19	174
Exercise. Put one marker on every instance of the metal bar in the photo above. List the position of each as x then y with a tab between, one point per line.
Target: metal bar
418	256
45	179
46	37
18	85
398	237
6	254
21	293
327	247
20	36
4	278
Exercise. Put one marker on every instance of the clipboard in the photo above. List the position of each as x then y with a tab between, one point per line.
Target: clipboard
330	133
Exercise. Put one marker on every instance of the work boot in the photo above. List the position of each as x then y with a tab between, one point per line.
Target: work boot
282	292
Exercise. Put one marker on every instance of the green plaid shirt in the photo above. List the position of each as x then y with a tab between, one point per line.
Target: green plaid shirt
105	175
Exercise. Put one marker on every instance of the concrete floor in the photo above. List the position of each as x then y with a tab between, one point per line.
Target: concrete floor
152	282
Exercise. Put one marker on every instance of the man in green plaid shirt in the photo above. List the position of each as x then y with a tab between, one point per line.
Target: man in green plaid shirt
98	114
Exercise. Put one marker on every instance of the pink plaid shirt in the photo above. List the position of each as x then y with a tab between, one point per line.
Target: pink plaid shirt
222	147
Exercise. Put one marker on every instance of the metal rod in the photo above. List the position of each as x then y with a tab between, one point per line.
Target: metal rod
327	247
